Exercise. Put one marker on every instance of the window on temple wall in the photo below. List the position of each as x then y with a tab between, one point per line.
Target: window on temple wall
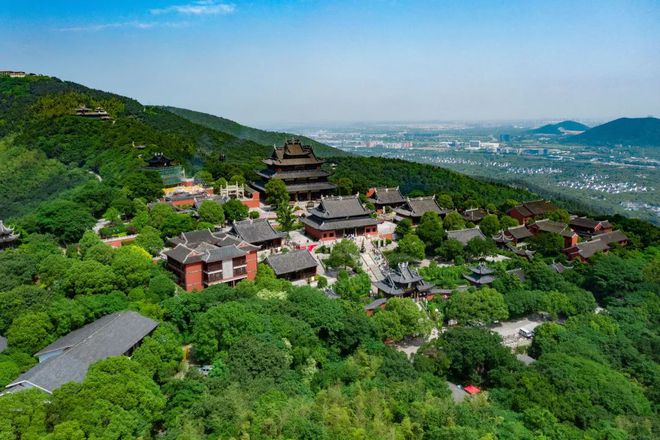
238	271
213	267
240	261
216	276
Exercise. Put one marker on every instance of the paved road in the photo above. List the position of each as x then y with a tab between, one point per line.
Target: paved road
508	330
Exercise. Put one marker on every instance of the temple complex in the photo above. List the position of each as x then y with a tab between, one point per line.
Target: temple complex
299	168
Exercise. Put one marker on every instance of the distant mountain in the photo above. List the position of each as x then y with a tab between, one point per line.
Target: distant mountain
625	131
560	128
262	137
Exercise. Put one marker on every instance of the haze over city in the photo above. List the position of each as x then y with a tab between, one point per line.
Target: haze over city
268	63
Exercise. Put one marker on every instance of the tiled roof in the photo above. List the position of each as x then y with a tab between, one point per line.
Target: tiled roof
612	237
587	249
375	304
292	261
475	214
203	245
533	208
465	235
111	335
255	231
417	207
589	223
519	232
340	207
388	196
553	227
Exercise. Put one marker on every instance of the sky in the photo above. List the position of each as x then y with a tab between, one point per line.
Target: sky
271	63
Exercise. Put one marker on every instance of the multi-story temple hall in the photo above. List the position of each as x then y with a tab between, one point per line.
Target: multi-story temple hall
299	168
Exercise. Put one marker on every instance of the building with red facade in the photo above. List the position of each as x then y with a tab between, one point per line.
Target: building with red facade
569	236
338	217
530	210
203	258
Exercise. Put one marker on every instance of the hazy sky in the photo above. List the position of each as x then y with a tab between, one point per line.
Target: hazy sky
282	62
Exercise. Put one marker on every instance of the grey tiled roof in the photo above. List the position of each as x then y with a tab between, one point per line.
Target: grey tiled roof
587	249
113	336
255	231
321	225
475	214
554	227
340	207
388	196
290	262
611	237
465	235
417	207
589	223
519	232
375	304
204	245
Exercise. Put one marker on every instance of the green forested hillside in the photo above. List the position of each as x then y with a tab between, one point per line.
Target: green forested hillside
559	128
285	361
263	137
643	132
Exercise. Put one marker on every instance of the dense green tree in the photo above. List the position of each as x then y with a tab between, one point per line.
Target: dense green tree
547	244
403	227
477	306
211	212
401	318
254	357
285	217
89	277
446	201
149	240
117	399
132	265
30	332
64	219
451	249
159	215
430	231
478	247
343	255
411	248
352	288
490	225
276	193
473	355
344	186
611	275
176	224
146	185
23	415
100	252
16	268
160	353
234	210
453	221
508	222
560	215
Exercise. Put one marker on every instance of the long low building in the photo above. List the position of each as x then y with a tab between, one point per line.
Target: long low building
337	217
293	265
69	358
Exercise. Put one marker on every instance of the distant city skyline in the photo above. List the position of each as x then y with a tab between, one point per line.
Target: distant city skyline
284	63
